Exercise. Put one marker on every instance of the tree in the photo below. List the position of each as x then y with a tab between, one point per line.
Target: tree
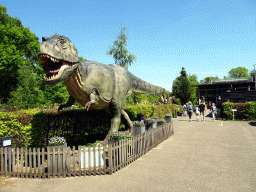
17	44
208	80
120	54
28	93
181	87
134	98
238	72
194	85
82	59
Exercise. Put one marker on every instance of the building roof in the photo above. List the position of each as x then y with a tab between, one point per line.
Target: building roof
233	80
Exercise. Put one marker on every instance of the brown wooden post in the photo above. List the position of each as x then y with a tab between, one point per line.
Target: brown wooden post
114	156
54	166
122	153
59	163
26	162
89	160
110	163
39	163
10	163
125	152
12	157
119	154
34	162
99	155
136	147
2	162
43	163
74	160
21	160
128	151
79	161
94	160
69	161
104	160
5	162
30	163
64	155
84	163
48	162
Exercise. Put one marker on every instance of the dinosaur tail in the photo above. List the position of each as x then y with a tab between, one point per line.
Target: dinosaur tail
143	87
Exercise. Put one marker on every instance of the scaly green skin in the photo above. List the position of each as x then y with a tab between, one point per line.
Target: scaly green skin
91	83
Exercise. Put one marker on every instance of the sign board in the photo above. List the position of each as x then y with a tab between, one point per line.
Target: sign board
6	141
233	110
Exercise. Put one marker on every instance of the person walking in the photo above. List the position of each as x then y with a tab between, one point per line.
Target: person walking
190	110
202	110
185	110
197	113
214	110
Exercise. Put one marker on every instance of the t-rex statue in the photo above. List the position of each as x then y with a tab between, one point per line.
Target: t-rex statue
91	83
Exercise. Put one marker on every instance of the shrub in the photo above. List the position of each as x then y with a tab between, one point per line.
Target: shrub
57	141
138	124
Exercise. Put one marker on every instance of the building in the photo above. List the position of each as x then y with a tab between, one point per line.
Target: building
237	90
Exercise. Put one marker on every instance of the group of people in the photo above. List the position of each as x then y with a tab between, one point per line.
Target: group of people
199	110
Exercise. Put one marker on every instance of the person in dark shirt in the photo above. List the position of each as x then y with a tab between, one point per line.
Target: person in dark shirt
202	110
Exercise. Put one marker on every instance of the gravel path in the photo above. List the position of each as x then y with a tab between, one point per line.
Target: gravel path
200	156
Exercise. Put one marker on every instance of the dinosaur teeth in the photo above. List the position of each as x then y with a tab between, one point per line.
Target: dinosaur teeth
52	58
55	71
56	76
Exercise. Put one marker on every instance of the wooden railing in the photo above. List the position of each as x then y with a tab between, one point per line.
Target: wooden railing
54	162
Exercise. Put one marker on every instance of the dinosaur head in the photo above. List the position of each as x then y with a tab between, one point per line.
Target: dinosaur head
59	57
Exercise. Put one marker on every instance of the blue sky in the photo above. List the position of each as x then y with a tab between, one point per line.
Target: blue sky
207	37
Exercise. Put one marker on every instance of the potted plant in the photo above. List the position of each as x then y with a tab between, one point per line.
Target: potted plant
138	127
160	122
116	136
151	123
57	143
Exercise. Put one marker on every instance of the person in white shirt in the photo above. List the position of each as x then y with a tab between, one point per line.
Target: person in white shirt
197	113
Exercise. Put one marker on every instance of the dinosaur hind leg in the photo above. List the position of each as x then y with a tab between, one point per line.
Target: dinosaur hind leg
115	123
126	120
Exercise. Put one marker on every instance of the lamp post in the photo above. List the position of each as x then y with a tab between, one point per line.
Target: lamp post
221	108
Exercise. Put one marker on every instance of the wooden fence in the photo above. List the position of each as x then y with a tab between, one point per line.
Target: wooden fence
54	162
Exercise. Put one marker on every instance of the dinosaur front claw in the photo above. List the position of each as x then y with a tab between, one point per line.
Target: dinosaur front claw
88	104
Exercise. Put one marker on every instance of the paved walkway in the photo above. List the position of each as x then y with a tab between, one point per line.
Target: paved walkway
200	156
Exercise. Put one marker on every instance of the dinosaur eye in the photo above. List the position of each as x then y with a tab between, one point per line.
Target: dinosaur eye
62	41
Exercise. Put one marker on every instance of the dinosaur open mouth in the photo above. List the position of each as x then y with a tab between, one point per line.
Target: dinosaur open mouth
53	67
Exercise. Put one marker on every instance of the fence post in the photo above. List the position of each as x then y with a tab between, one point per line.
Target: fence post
94	160
110	163
48	162
43	163
74	160
30	162
26	162
99	159
104	160
2	162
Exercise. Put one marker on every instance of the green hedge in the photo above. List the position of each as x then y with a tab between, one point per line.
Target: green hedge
244	111
79	127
